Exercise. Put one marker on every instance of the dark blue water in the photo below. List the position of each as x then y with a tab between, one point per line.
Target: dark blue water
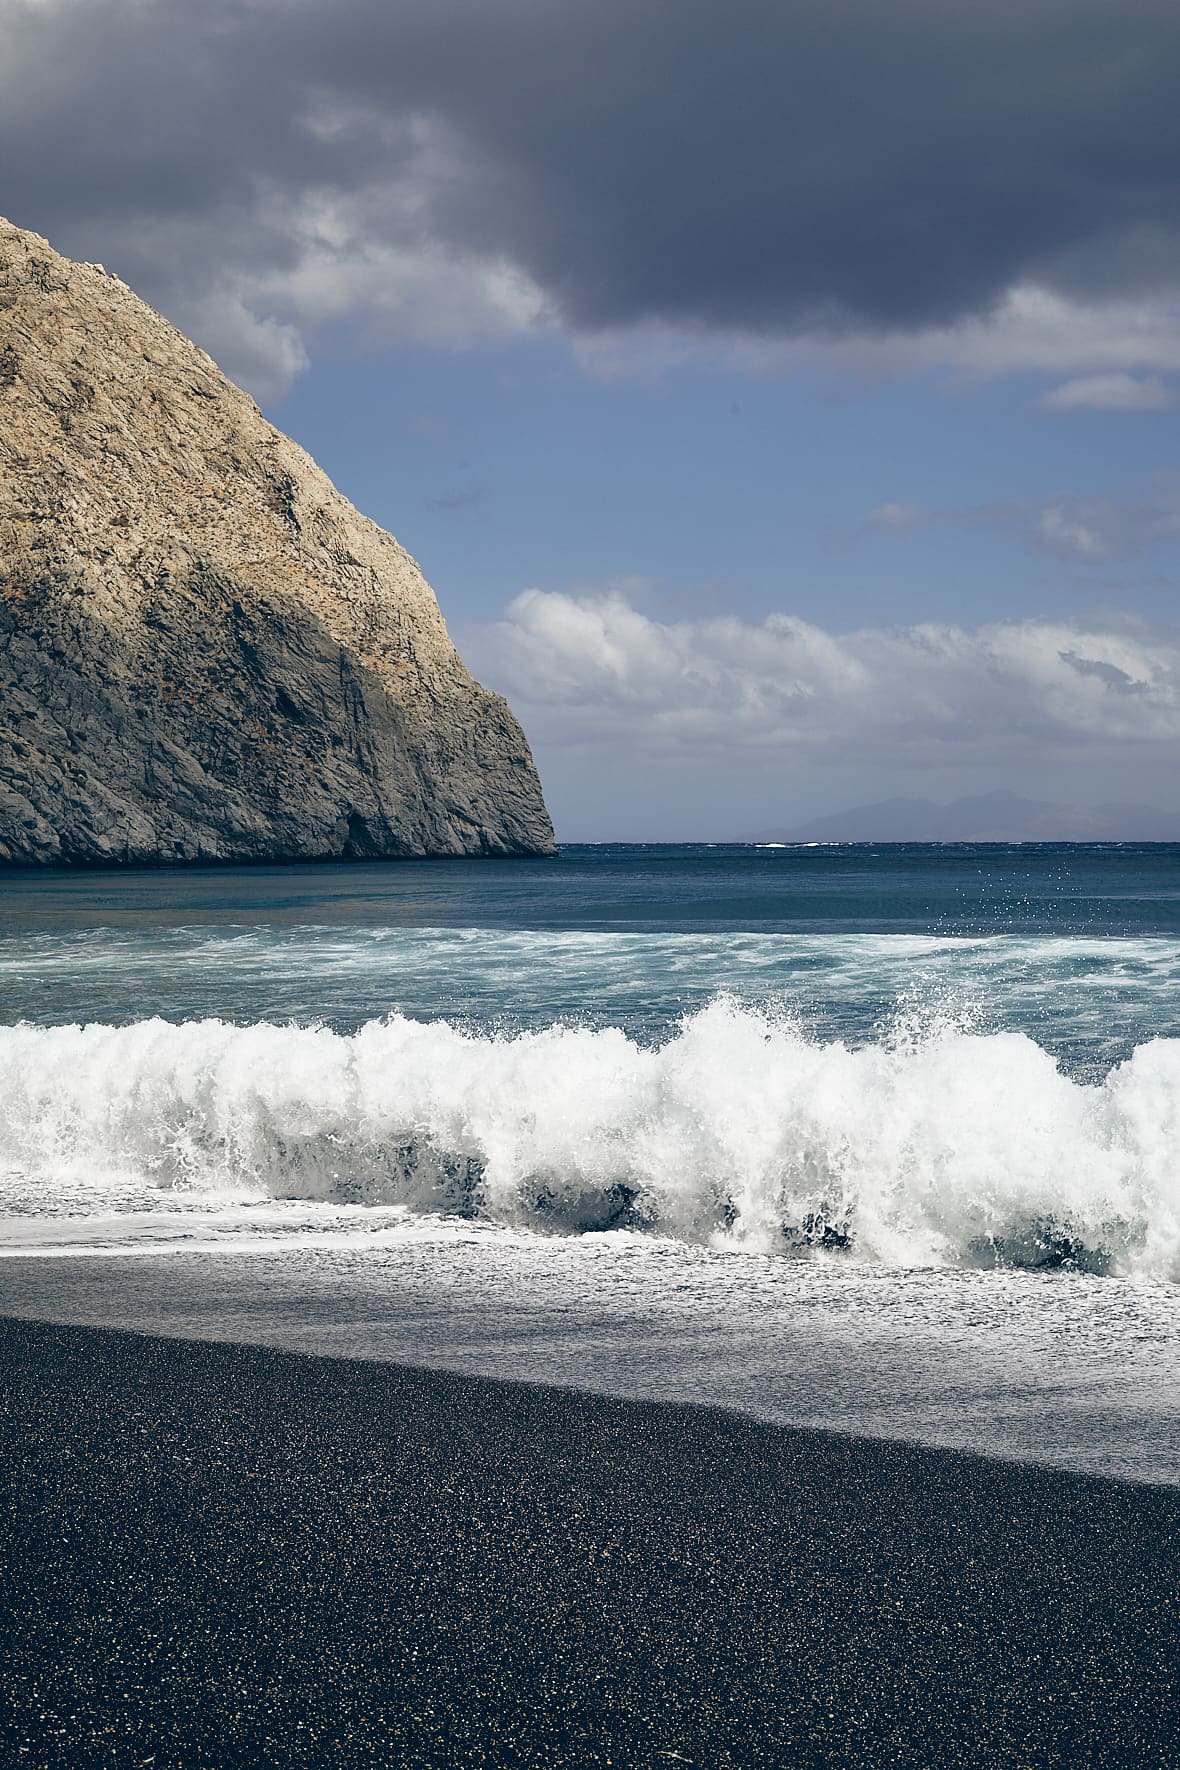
1076	945
1121	889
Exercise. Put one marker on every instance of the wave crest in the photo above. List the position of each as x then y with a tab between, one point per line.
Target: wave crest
936	1147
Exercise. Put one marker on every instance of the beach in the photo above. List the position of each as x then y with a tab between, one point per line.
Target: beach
217	1554
690	1306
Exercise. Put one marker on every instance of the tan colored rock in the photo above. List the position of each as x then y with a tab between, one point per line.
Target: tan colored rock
206	653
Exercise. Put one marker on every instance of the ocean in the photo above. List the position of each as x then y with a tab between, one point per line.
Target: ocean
878	1139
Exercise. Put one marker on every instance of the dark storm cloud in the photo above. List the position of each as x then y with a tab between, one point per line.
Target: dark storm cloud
876	163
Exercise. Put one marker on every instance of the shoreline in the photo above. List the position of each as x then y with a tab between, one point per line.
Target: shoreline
845	1350
220	1554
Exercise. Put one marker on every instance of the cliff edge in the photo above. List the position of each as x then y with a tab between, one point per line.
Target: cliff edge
206	654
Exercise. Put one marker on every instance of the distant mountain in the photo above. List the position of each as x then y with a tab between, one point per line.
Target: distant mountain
985	817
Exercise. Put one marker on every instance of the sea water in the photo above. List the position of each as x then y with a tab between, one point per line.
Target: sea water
880	1139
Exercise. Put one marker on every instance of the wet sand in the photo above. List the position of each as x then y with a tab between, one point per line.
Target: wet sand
218	1555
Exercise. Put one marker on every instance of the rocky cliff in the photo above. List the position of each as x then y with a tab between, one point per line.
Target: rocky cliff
205	652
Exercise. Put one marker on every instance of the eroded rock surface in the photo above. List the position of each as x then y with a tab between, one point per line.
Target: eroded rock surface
206	653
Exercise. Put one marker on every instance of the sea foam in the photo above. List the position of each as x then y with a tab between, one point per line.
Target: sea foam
934	1146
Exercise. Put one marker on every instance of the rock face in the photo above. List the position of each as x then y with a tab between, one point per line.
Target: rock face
205	652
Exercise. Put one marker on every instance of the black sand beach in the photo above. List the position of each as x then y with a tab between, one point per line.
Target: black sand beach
220	1555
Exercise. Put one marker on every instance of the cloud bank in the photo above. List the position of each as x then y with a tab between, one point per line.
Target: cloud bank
595	670
992	187
1112	393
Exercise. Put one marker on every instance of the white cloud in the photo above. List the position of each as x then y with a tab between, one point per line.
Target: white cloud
1111	393
260	353
255	307
1065	532
1030	330
364	256
593	669
1091	527
1034	328
1111	525
898	516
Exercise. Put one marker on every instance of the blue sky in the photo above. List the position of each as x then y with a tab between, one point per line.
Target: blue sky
782	401
705	488
722	489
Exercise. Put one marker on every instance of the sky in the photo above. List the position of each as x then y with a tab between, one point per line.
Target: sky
783	399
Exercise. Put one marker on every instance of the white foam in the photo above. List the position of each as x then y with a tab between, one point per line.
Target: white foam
937	1147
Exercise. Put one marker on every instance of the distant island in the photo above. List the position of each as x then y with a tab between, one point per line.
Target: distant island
984	817
206	653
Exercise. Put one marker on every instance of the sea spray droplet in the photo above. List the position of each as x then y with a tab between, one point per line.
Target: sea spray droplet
952	1147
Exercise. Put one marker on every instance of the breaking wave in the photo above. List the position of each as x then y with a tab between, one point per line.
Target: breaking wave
936	1146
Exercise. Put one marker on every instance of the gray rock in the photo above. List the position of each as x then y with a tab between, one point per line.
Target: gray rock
206	653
